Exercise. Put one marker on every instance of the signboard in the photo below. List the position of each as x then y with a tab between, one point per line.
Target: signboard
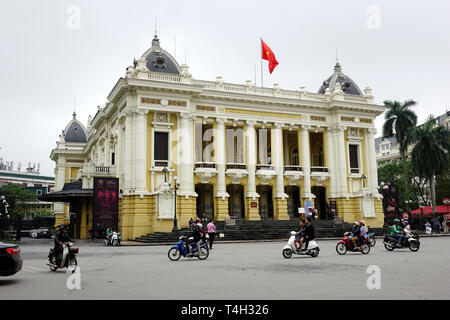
253	204
390	203
106	203
308	208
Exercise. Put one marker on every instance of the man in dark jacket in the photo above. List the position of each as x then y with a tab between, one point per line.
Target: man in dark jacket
355	233
309	232
60	238
197	239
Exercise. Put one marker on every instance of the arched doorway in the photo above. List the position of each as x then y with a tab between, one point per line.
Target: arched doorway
205	200
320	202
265	201
236	204
293	202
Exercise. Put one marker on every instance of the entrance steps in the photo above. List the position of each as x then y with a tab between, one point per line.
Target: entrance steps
254	230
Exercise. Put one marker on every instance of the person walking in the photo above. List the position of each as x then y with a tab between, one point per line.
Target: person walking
437	226
211	232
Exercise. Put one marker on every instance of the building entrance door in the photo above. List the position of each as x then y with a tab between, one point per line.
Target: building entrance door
236	204
265	201
205	200
293	202
320	202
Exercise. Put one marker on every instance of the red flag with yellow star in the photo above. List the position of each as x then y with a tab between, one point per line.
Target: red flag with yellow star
267	54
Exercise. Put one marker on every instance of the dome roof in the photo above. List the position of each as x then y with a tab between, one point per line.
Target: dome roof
347	85
75	131
159	60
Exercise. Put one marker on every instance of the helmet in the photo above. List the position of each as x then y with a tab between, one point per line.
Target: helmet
199	225
396	220
355	222
361	222
61	227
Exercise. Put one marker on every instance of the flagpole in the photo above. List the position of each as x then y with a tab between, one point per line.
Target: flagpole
262	80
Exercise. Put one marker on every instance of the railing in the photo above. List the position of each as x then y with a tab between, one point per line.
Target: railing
319	169
236	166
239	88
293	168
101	169
264	167
211	165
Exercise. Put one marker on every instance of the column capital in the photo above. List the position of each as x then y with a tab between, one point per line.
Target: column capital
221	120
278	125
341	128
251	123
186	115
305	127
372	130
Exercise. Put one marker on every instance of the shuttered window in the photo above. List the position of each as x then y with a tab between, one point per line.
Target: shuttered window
161	146
354	163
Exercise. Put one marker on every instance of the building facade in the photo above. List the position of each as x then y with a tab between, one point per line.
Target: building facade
238	151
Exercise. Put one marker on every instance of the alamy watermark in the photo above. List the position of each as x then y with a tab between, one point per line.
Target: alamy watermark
73	17
73	282
374	280
373	21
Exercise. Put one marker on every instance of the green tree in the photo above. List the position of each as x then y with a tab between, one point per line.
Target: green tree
430	155
399	120
17	196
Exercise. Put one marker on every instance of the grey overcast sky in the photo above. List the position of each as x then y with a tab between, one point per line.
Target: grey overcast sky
401	49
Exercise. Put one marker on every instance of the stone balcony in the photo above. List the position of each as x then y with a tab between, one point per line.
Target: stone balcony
319	174
293	174
236	171
265	172
89	171
205	171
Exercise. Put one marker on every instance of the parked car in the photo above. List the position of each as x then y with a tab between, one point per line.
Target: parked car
41	233
10	259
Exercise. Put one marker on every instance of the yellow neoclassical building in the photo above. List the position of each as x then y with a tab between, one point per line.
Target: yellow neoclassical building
237	151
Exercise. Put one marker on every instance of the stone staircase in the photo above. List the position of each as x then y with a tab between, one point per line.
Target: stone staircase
257	230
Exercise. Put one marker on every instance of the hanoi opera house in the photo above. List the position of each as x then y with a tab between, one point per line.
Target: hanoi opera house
238	151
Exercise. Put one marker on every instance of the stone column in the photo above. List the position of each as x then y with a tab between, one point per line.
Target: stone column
140	151
128	150
187	197
342	163
372	173
306	163
221	195
251	201
331	156
280	201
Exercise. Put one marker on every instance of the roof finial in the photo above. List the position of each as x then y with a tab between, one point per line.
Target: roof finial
74	105
337	57
156	27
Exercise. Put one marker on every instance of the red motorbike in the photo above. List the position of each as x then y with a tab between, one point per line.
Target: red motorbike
346	244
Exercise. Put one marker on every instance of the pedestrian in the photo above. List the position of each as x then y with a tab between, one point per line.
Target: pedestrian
445	224
437	226
428	227
315	214
204	218
211	232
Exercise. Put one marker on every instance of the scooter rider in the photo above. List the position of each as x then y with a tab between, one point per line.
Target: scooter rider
196	238
298	242
309	232
397	232
356	231
61	237
109	234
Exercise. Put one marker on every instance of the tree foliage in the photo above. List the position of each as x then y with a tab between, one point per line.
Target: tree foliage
16	196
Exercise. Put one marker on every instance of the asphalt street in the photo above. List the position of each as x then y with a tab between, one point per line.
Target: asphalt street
235	271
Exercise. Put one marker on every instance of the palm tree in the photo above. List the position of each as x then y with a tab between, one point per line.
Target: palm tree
431	154
399	120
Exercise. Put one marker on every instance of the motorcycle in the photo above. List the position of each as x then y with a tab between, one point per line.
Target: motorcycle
180	249
410	241
68	258
347	245
289	249
114	239
371	239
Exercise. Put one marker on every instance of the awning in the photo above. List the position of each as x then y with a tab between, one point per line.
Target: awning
71	191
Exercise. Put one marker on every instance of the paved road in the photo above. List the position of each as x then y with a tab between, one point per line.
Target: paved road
235	271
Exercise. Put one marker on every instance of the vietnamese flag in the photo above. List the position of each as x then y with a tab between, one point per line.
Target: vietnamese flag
267	54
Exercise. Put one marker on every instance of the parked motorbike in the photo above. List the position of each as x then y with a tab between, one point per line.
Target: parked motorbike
347	245
289	249
68	258
114	239
180	249
410	241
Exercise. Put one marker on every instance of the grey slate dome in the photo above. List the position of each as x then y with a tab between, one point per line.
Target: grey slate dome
348	86
159	60
75	131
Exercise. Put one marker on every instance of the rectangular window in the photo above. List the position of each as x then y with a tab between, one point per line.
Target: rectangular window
161	149
354	162
113	158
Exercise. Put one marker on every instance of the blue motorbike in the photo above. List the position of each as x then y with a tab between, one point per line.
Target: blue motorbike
372	240
180	249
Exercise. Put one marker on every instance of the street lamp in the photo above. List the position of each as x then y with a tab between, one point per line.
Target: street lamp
408	205
175	187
